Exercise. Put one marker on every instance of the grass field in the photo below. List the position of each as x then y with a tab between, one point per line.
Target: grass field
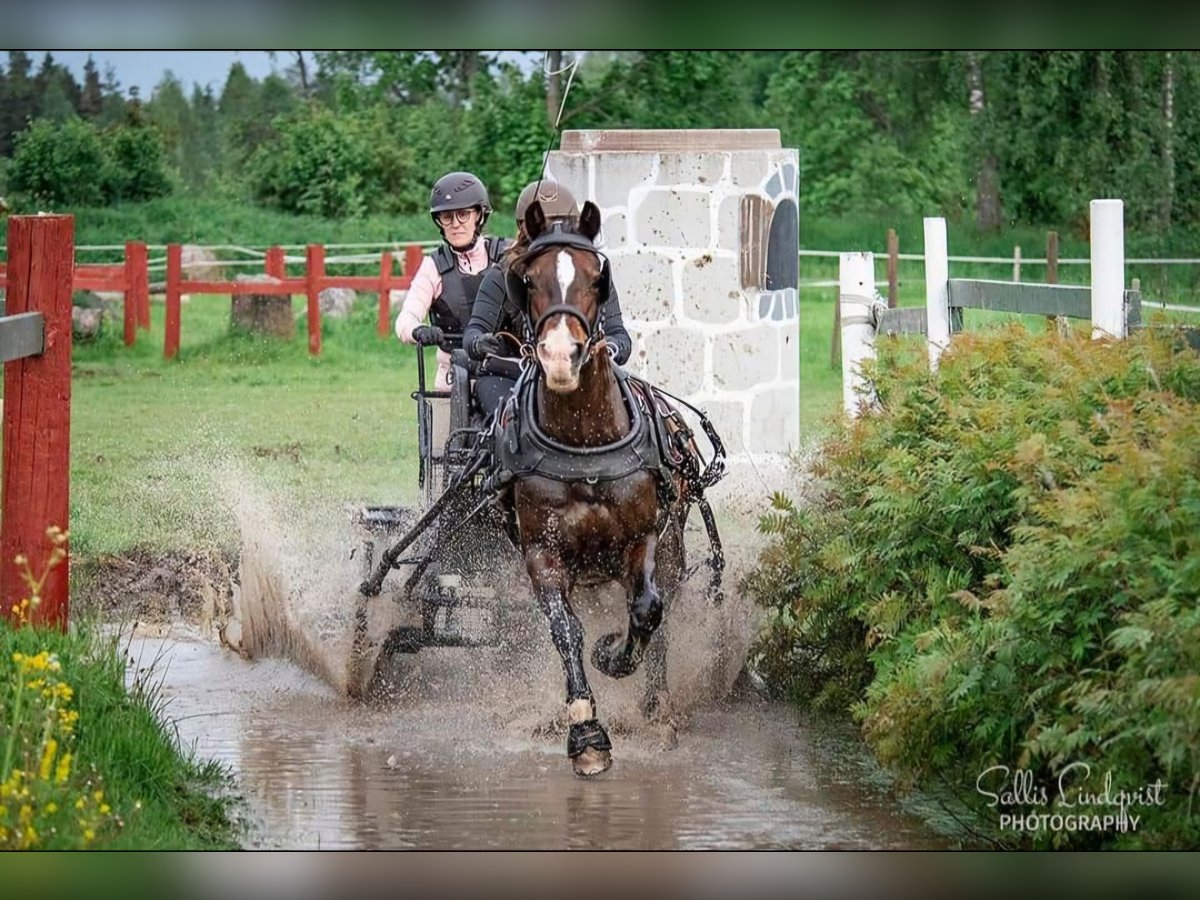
148	436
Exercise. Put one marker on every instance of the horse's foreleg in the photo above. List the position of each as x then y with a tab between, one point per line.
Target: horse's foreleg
618	655
588	745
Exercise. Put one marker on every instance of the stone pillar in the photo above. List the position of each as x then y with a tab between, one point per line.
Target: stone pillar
702	230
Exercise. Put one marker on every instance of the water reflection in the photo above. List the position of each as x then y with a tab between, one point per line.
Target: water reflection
319	772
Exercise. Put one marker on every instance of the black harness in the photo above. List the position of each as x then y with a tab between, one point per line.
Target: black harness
521	447
452	310
558	235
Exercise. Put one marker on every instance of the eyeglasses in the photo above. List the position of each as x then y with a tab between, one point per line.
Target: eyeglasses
455	215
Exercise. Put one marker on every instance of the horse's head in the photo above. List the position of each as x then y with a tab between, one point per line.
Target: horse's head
560	282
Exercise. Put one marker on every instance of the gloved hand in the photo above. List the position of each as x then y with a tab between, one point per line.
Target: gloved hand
429	334
486	345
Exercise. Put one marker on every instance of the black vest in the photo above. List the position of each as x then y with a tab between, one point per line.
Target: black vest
452	310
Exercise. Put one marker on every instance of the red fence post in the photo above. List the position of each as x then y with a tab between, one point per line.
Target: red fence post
275	266
385	290
413	257
137	290
174	289
37	414
315	259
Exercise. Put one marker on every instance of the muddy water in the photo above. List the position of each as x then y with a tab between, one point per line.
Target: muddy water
441	769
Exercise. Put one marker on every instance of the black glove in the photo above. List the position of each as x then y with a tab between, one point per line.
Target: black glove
429	334
486	345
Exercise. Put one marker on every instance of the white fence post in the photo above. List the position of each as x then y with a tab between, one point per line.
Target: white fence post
1017	263
1108	268
856	276
937	291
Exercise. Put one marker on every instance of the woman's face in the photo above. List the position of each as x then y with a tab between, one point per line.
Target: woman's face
459	226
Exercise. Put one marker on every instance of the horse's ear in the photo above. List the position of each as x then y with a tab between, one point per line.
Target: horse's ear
589	220
535	220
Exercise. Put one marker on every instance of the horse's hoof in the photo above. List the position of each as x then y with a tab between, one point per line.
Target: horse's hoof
589	748
591	762
609	657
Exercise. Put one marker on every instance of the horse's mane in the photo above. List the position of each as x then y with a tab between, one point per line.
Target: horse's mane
515	251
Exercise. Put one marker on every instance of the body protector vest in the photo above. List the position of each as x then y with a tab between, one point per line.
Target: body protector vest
452	310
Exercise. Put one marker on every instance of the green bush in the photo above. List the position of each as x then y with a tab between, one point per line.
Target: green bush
59	165
1002	567
136	164
320	165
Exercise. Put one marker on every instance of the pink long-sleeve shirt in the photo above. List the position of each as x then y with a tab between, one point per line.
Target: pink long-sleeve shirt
427	287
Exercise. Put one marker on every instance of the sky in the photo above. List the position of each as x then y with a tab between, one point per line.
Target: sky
145	67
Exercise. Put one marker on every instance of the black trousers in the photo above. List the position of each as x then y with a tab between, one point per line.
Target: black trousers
492	391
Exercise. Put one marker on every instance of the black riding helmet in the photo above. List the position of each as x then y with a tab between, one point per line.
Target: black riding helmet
459	190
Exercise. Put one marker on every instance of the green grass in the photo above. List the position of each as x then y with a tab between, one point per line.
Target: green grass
166	797
150	437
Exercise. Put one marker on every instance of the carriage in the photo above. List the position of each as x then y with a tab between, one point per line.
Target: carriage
589	469
449	550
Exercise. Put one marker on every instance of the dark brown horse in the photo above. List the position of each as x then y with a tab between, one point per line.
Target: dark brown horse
626	528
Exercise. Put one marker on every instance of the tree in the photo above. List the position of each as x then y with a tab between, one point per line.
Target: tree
19	106
91	99
112	107
987	182
168	111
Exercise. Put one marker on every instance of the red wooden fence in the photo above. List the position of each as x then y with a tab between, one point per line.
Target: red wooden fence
310	284
37	413
133	279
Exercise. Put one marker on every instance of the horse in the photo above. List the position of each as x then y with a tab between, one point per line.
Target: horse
599	518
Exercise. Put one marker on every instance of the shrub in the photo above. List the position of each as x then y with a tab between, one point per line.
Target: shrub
1002	567
59	165
136	164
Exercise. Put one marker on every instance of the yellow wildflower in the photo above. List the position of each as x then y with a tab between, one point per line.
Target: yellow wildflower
63	771
47	762
51	808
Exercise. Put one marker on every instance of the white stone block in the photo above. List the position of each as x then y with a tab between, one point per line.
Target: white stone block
711	291
745	358
674	359
619	173
789	354
615	232
645	284
674	218
729	225
774	421
750	169
691	168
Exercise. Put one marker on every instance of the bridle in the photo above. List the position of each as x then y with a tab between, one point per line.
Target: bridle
518	289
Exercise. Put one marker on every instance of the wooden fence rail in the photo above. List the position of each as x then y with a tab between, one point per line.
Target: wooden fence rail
1112	309
132	278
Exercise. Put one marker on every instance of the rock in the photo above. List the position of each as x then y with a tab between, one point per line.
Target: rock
86	323
266	314
200	264
336	302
